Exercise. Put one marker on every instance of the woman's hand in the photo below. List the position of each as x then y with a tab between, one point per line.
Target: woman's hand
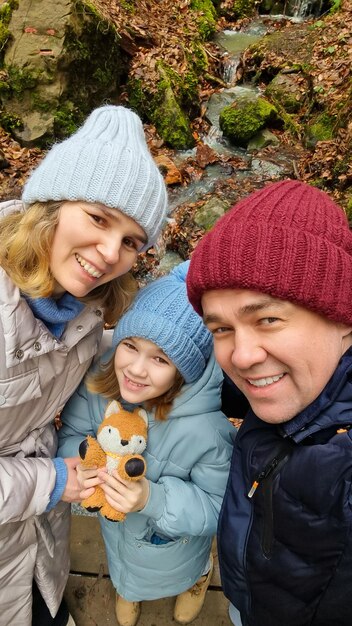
88	479
124	495
73	488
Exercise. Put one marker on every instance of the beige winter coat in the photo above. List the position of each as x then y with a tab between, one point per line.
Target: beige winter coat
38	373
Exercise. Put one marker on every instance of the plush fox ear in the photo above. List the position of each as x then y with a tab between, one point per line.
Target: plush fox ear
113	407
143	414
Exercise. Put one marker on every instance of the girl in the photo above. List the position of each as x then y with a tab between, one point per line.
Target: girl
92	204
161	359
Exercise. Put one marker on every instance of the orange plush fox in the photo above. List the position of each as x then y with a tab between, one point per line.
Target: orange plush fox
121	438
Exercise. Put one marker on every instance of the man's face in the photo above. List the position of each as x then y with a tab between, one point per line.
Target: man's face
280	355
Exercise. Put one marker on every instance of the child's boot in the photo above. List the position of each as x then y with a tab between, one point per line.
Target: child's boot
127	613
190	603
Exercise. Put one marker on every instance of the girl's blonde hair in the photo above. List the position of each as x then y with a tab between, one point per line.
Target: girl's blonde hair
25	251
104	382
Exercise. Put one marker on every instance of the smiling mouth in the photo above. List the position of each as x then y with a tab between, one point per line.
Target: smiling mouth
90	269
132	382
264	382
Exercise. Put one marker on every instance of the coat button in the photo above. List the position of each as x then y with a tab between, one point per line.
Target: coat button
19	354
37	346
98	312
2	400
79	328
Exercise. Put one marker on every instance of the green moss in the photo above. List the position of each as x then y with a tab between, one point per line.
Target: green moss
93	58
198	58
243	8
349	209
171	123
162	108
341	167
5	17
320	129
42	104
66	120
128	5
241	122
283	89
20	79
206	17
9	122
136	97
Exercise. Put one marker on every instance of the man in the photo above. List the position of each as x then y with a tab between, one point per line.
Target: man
273	282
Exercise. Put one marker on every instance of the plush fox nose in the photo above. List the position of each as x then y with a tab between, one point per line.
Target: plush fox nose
124	442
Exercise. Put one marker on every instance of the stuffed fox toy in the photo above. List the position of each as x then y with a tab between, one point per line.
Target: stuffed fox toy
121	438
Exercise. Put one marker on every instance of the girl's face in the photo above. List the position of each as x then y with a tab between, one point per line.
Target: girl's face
143	370
92	245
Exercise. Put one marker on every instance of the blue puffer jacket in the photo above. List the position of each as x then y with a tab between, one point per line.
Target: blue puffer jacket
188	460
286	553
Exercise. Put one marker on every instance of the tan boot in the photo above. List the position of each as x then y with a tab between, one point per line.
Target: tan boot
190	603
127	613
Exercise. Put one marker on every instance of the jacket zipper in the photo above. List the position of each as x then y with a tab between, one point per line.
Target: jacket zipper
266	479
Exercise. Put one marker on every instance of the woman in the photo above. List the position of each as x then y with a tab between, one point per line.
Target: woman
94	202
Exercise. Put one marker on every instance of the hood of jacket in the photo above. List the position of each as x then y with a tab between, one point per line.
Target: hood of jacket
201	396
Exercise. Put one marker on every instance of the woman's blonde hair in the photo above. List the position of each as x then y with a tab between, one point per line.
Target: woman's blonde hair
104	382
25	251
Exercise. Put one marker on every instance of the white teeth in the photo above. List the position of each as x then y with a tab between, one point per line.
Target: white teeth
88	268
262	382
133	383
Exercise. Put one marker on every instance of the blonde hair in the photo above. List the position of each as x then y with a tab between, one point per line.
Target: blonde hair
25	252
104	382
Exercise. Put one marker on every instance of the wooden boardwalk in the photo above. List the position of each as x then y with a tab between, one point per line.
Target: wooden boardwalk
91	597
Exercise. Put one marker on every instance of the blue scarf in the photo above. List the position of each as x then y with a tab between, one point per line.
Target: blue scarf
55	313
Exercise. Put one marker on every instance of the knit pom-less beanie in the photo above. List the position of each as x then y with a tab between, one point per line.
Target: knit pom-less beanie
162	314
289	240
108	161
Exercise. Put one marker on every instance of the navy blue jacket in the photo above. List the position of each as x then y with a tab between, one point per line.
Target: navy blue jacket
286	553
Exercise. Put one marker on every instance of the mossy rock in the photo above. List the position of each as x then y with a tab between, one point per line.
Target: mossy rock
67	63
206	216
321	128
163	108
239	9
287	90
5	17
242	120
171	122
206	17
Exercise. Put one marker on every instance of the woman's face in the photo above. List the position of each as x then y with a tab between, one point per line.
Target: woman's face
92	245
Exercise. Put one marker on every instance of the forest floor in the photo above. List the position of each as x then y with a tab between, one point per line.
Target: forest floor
330	71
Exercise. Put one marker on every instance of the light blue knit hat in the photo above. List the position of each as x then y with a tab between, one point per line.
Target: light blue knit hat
108	161
162	313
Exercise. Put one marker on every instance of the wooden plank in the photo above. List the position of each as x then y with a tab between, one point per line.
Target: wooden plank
92	603
87	546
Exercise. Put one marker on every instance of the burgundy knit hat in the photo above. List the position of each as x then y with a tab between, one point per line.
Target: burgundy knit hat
289	240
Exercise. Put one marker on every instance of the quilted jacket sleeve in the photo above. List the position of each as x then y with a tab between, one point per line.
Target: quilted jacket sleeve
25	487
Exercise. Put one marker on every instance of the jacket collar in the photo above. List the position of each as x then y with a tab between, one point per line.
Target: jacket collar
332	406
26	337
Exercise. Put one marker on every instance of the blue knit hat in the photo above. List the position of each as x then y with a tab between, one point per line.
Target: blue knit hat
162	313
108	161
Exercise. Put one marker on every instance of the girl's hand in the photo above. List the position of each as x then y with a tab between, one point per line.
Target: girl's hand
124	495
88	479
